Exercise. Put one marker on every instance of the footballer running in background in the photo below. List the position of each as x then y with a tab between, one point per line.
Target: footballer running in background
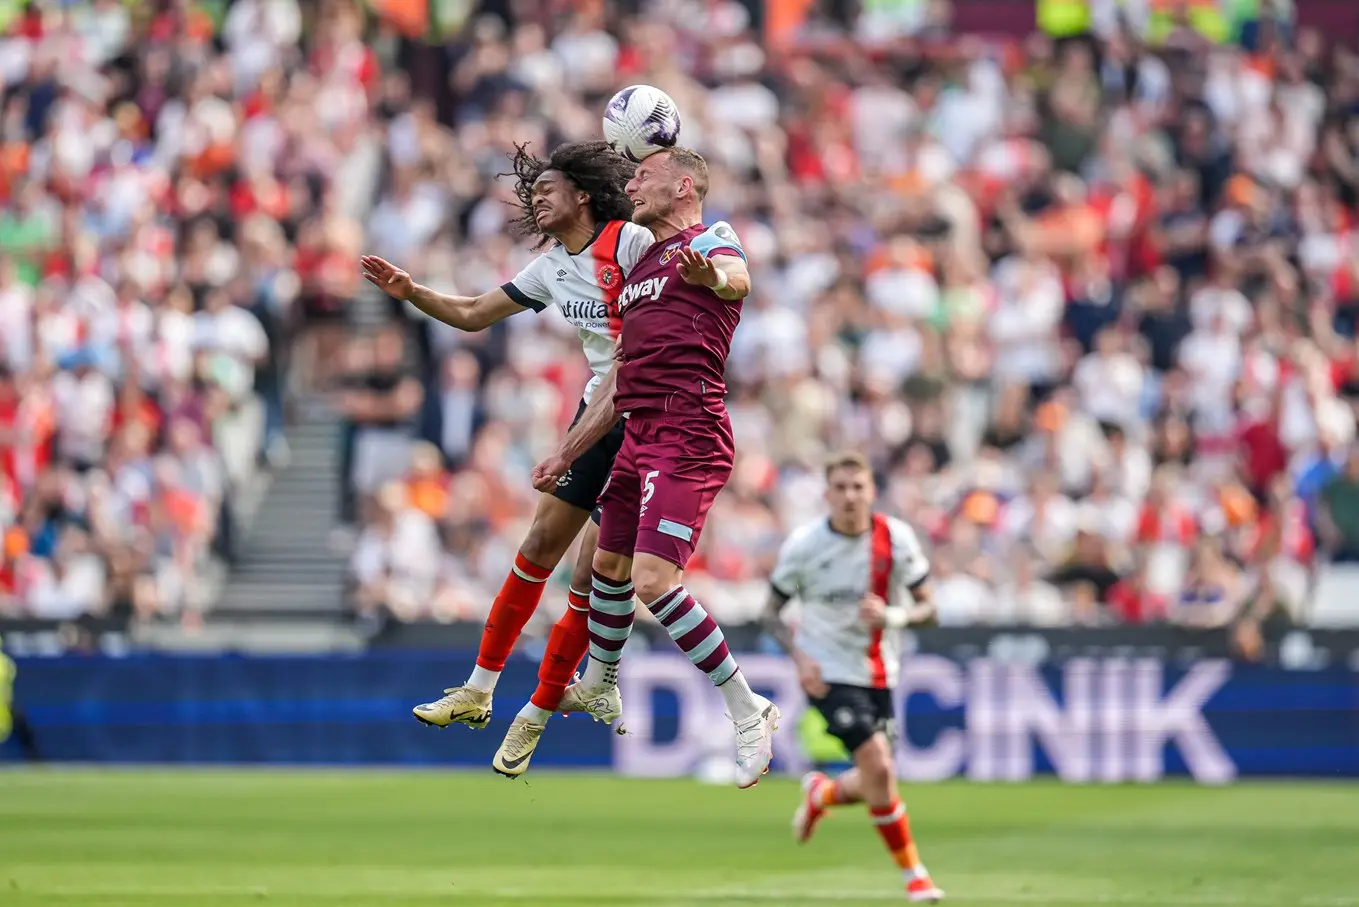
574	201
860	578
680	307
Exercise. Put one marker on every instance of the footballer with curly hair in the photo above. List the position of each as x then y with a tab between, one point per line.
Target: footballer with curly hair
575	202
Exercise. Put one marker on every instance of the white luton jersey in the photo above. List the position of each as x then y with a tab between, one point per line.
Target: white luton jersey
585	287
829	574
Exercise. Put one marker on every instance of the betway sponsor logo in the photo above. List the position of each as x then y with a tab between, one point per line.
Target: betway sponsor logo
1109	720
648	289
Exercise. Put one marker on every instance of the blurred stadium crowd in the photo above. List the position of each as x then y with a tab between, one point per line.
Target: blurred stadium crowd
1088	302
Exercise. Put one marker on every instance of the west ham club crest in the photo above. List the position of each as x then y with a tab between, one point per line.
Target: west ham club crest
670	252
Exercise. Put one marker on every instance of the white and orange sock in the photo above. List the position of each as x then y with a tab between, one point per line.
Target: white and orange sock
894	827
828	793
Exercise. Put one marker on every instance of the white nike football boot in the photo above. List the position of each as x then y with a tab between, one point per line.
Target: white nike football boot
755	743
602	703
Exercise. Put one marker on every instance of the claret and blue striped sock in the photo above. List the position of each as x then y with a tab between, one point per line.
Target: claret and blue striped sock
701	640
611	613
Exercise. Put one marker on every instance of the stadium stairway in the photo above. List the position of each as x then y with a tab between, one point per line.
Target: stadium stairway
286	591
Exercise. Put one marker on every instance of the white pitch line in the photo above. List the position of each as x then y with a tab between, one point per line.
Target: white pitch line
651	896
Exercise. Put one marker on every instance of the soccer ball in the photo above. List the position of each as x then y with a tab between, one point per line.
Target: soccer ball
641	120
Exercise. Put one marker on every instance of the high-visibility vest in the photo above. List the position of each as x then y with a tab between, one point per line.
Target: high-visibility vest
1063	18
10	11
1204	16
818	745
1239	12
7	672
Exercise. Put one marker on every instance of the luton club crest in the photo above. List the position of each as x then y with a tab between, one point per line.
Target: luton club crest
609	277
670	252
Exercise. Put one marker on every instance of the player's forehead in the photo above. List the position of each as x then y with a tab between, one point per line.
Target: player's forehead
654	165
849	477
550	180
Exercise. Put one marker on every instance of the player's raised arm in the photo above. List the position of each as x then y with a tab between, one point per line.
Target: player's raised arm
725	275
715	259
466	313
599	417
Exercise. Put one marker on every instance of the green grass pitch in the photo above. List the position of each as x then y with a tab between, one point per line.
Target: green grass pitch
194	838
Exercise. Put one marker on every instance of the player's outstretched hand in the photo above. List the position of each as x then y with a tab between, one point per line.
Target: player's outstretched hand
387	277
546	473
697	268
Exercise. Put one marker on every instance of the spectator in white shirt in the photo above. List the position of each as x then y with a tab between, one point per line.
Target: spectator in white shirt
128	328
1109	380
84	397
72	583
1042	517
16	314
1211	354
397	558
1023	327
407	218
234	342
1026	600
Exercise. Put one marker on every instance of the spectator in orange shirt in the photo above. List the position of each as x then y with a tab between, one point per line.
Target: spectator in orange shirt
427	483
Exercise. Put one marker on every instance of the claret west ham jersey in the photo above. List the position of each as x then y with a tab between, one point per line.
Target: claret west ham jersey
829	574
676	336
585	287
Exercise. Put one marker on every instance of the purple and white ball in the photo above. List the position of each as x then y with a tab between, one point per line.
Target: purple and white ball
641	120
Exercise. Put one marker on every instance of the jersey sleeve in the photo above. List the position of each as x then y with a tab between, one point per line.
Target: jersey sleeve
719	239
531	287
909	561
633	241
786	580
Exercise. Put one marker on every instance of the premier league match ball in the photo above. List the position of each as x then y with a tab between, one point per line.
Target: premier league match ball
641	120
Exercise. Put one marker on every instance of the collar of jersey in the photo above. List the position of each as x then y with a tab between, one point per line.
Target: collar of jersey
599	228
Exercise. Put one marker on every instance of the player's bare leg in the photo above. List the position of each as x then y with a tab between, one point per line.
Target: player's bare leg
873	782
566	647
659	583
555	525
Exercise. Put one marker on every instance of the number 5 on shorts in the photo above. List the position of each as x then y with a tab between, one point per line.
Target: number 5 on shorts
648	489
